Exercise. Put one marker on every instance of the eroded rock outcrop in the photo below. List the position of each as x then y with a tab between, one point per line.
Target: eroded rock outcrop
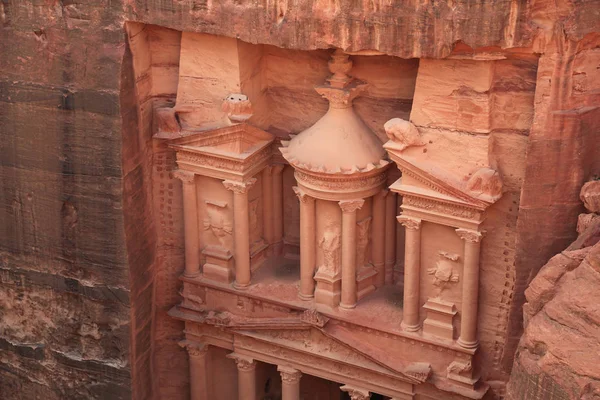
558	353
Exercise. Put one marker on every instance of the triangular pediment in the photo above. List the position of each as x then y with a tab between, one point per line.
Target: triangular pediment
236	141
434	182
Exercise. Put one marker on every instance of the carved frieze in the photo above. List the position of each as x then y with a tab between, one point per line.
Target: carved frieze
341	183
442	208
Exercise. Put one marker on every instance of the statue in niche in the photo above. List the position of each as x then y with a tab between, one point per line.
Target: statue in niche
443	272
330	244
217	221
362	242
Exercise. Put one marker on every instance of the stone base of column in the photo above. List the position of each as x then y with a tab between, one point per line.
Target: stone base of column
237	286
467	344
410	328
219	264
305	297
440	317
328	290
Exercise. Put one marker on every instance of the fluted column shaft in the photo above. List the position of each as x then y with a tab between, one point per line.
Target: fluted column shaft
470	288
241	231
190	222
349	294
198	370
290	383
246	376
307	244
412	271
378	238
390	235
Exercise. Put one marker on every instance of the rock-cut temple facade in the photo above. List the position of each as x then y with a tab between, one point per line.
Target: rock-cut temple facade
286	200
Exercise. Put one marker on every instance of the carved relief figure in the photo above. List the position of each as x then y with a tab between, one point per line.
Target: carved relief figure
330	243
217	221
443	272
255	228
362	242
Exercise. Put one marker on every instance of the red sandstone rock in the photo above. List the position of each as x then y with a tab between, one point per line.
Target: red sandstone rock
590	195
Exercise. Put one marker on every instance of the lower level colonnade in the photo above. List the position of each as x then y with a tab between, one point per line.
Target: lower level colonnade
200	387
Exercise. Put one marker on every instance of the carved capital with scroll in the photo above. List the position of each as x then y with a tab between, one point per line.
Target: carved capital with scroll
289	375
302	196
239	187
194	349
356	393
409	222
184	176
243	363
350	206
470	235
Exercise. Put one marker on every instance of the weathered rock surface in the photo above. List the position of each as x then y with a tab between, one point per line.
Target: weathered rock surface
558	353
88	271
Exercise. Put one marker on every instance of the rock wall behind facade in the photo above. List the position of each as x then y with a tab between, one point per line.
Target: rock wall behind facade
81	251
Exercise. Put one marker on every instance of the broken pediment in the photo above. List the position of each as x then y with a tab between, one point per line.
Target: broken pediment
433	165
236	151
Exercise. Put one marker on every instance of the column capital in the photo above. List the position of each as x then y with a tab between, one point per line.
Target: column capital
244	363
470	235
302	196
350	206
239	187
356	393
278	168
194	349
382	194
184	176
289	375
409	222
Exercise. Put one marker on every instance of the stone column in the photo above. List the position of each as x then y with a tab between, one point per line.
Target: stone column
267	197
390	236
290	383
356	393
241	231
470	288
190	221
278	207
349	294
246	376
307	244
198	370
378	238
412	273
